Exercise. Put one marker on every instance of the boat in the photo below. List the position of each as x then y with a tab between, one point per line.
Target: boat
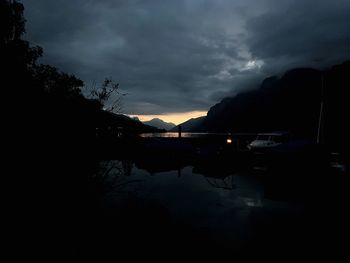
267	141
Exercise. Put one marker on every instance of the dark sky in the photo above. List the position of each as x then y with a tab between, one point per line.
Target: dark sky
174	56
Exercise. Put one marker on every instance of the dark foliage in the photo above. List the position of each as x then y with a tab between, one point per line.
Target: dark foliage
54	145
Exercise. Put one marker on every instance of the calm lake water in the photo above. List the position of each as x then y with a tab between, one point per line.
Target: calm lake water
161	203
196	134
232	208
183	134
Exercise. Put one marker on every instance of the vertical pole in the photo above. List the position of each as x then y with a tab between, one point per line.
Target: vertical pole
179	172
321	114
179	131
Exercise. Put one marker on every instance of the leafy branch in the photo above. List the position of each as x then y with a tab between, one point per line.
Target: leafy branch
108	95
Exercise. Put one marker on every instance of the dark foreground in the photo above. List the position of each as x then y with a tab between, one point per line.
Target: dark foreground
140	202
154	201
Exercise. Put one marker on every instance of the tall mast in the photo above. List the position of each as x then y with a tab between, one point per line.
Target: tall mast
321	112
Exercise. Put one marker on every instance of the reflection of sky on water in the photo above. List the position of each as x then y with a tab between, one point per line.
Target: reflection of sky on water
192	199
183	134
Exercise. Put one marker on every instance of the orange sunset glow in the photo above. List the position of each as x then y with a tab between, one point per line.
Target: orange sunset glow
175	118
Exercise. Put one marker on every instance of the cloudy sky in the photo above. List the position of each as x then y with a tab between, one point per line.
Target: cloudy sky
177	58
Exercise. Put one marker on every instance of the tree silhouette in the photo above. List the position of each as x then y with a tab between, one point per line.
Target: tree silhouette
57	83
12	21
16	53
108	95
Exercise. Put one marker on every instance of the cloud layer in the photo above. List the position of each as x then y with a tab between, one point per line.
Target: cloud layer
186	55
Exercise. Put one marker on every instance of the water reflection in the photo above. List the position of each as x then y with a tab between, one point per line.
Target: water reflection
183	134
223	183
225	205
174	174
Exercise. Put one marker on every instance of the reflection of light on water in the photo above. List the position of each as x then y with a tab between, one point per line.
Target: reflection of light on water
176	134
162	135
229	207
223	183
253	202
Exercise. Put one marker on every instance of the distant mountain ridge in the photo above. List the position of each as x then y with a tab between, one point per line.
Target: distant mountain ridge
160	124
190	125
129	125
289	103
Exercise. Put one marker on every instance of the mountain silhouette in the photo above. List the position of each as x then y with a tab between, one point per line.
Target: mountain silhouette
130	125
190	125
289	103
160	124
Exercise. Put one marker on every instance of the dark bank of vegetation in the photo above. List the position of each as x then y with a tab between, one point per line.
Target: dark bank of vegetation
46	100
55	135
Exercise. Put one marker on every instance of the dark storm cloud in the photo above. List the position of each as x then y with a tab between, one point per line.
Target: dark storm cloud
302	33
177	56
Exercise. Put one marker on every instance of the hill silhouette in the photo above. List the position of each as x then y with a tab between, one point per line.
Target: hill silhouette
189	125
160	124
289	103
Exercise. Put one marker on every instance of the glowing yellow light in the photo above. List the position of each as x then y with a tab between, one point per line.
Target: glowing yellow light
229	141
